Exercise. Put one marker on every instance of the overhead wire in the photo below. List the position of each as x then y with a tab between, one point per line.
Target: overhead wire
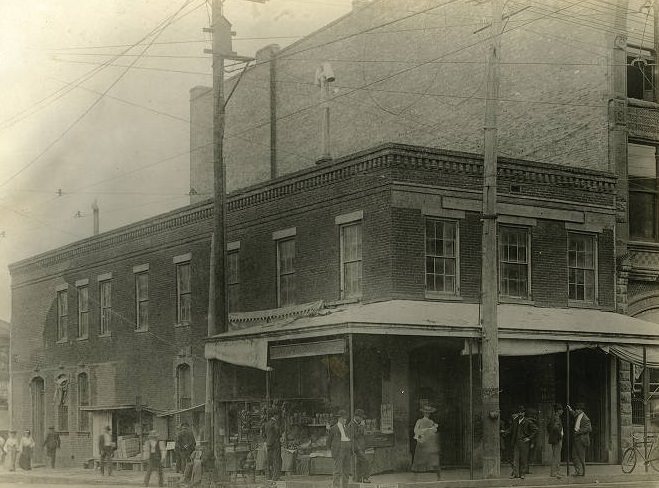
91	106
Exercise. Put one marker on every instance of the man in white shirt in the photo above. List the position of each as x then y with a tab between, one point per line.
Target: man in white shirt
154	456
582	429
341	447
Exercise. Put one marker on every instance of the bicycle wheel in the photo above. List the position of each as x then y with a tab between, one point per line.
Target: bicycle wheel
628	460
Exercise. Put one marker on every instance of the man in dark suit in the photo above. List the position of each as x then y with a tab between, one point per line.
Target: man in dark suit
357	432
185	446
341	447
272	435
581	430
523	432
52	444
555	438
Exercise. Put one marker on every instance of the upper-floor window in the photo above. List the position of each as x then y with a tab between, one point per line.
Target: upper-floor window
351	260
105	293
142	300
643	192
514	262
62	315
183	293
83	311
582	267
83	401
285	272
640	75
233	280
441	256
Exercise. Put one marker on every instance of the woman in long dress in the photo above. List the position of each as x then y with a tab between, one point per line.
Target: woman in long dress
426	454
25	448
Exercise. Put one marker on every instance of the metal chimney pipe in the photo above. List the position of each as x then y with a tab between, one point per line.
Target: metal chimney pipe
96	219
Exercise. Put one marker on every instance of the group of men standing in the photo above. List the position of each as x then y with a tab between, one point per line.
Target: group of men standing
524	430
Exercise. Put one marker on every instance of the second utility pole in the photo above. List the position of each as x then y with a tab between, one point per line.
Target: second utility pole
489	281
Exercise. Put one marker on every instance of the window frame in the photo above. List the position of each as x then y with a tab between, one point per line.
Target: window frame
62	333
179	368
84	335
233	280
646	55
83	425
456	256
342	233
139	301
595	269
180	320
641	190
280	274
500	262
104	309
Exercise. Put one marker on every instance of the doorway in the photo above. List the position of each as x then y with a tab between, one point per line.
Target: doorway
38	416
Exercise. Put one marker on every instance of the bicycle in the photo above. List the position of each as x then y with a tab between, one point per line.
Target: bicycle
637	449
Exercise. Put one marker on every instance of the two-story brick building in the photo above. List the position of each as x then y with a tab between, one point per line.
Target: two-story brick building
359	281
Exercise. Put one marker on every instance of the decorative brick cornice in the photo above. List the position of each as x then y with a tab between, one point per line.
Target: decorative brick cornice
378	159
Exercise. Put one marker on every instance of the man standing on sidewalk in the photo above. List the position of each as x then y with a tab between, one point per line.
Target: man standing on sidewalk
341	447
555	438
52	444
154	456
357	432
582	430
106	447
523	430
272	435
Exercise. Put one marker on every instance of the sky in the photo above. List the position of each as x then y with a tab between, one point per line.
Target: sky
79	124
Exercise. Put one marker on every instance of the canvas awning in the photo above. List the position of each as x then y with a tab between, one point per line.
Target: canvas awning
107	408
171	413
546	327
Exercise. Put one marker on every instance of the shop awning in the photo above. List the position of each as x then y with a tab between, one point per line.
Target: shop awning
171	413
107	408
518	325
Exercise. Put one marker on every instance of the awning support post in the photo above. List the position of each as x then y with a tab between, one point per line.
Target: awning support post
471	412
646	409
567	401
352	396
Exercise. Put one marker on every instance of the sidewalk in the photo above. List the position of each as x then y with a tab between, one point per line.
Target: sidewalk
451	478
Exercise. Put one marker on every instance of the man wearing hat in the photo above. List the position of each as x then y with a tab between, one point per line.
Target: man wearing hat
357	432
106	447
555	436
581	430
523	433
154	456
341	447
52	444
272	437
185	446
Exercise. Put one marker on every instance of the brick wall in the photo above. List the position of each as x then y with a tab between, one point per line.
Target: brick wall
417	89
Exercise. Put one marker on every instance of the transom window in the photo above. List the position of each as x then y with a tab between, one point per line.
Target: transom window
233	280
514	262
83	311
285	272
351	260
184	293
105	289
441	256
582	267
62	315
142	301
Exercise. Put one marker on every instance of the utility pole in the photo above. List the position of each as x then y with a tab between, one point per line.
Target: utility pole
489	282
656	50
218	320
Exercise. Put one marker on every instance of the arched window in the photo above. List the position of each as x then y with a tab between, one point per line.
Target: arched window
183	386
83	401
62	402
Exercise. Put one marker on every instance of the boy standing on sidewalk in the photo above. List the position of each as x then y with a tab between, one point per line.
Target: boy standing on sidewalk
52	444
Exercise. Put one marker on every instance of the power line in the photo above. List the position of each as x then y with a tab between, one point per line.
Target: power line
53	97
164	70
94	104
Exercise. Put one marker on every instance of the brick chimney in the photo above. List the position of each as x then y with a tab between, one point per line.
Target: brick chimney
96	217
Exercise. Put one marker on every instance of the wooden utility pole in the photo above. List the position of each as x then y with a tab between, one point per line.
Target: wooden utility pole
656	50
489	282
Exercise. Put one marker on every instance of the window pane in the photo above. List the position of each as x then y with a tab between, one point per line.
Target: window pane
353	279
642	215
351	246
143	315
514	262
183	277
233	267
581	267
186	302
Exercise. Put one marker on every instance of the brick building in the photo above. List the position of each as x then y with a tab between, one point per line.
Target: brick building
376	256
380	249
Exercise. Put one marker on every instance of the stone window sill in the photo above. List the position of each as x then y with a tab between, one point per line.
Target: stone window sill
516	301
182	324
63	341
449	297
107	334
83	338
580	304
141	330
